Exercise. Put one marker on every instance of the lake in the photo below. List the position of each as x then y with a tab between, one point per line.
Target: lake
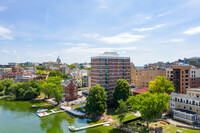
20	117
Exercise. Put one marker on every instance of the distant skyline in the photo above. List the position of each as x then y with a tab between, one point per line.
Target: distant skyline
148	31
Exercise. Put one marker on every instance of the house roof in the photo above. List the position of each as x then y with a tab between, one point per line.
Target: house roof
144	90
65	83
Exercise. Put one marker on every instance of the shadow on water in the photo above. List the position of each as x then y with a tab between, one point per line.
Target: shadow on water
53	123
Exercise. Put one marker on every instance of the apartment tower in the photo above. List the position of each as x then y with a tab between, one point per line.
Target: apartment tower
181	78
107	68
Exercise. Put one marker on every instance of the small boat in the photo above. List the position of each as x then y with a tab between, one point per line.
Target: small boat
41	110
34	106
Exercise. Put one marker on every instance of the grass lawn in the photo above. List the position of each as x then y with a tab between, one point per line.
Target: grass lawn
114	115
173	129
77	106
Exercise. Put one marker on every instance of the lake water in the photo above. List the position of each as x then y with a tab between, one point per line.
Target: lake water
19	117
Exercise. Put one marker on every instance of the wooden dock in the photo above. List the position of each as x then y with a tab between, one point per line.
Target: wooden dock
43	114
72	128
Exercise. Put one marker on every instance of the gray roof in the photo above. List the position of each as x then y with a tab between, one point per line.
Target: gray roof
185	96
65	83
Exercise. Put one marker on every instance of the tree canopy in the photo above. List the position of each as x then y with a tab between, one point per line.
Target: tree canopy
149	105
82	67
5	84
88	68
72	66
40	72
161	85
24	90
122	110
65	76
55	73
40	67
122	91
52	87
96	101
1	86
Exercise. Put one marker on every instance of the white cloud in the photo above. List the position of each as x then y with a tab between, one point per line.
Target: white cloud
192	31
163	14
103	6
29	46
177	40
174	40
84	50
67	43
150	28
2	8
122	38
148	17
91	35
14	51
5	33
5	51
83	45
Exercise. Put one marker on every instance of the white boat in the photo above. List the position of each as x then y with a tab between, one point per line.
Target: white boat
41	110
41	114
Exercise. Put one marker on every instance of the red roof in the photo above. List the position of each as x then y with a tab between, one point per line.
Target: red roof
144	90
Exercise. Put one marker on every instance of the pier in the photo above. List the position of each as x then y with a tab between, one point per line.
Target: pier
65	109
42	114
72	128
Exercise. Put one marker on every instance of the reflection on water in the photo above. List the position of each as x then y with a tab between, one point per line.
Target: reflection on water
19	116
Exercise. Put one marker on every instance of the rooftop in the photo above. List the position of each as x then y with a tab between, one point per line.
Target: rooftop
110	55
144	90
186	111
185	96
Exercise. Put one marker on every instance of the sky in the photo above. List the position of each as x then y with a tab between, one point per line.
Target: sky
146	30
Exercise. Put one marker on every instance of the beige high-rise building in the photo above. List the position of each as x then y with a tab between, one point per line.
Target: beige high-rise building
141	77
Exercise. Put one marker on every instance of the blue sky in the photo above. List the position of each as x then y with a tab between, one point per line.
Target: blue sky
145	30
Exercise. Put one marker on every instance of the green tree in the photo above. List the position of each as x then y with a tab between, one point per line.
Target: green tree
1	86
72	66
149	105
7	82
161	85
82	67
96	101
88	68
24	91
122	110
40	72
58	91
55	73
52	88
65	76
40	67
122	91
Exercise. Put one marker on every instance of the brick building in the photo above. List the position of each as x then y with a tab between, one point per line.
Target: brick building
107	68
70	90
183	77
141	77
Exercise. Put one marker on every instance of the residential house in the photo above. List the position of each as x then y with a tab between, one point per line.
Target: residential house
70	90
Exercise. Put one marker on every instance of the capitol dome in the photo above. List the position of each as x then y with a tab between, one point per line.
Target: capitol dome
58	60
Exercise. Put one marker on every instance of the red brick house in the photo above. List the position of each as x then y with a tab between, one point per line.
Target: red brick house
70	90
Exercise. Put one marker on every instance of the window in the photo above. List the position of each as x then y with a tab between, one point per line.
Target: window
197	109
190	108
